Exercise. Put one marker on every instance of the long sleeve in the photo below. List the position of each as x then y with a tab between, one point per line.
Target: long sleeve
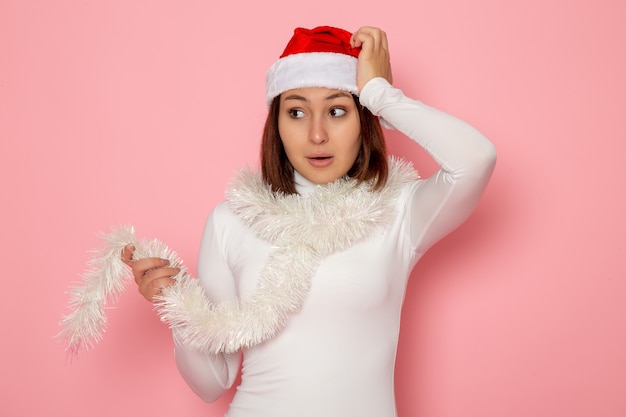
208	375
439	204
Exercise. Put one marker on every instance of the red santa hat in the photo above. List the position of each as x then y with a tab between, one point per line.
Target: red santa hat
319	57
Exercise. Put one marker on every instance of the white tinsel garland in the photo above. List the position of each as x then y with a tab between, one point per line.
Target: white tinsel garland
302	230
106	278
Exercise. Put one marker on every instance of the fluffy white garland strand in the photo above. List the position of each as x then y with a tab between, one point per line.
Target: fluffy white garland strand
302	230
106	278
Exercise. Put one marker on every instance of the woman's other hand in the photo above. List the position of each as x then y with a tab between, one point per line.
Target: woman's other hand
374	56
151	274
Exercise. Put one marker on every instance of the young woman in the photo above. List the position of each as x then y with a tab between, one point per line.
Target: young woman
307	262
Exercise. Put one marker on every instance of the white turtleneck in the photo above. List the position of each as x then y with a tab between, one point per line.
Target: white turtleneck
336	356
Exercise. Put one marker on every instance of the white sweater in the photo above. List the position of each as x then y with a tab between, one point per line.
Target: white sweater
336	356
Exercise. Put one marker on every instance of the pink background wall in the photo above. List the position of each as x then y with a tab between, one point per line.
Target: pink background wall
139	111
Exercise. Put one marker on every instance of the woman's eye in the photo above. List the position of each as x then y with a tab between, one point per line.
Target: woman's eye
337	112
296	114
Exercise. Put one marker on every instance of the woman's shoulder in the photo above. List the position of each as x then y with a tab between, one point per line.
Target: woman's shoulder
222	213
225	222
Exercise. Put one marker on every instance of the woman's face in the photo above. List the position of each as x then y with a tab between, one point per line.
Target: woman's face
321	132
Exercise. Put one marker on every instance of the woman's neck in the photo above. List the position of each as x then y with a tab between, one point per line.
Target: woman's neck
303	186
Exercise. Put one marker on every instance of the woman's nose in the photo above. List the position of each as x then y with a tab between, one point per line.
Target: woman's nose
317	133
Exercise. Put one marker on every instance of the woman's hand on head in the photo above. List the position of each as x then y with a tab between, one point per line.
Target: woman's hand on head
374	56
151	274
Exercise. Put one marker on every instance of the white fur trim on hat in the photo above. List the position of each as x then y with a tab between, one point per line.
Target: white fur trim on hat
311	69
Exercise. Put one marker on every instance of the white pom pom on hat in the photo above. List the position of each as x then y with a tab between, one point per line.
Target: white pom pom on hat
318	57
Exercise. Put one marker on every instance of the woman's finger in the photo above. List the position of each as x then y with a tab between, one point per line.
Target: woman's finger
127	254
369	37
153	287
142	266
374	56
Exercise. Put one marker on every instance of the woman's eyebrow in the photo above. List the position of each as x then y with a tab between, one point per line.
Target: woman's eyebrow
341	94
295	97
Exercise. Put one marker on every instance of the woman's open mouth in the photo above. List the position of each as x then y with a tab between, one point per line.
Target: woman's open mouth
320	161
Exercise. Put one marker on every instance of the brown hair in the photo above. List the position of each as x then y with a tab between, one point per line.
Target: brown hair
371	162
